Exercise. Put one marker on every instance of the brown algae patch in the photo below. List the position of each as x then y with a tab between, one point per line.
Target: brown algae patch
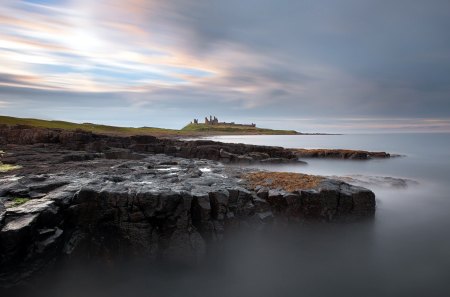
285	180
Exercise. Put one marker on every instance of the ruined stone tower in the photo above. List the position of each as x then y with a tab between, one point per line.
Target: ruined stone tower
213	120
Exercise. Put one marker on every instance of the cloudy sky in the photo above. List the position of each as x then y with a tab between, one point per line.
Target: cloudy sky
310	65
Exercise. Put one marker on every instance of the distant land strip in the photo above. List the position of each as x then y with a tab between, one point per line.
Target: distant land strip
189	130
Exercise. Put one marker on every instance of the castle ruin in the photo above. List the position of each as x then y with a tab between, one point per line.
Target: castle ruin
211	121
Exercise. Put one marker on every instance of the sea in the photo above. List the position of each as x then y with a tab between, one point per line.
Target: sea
404	251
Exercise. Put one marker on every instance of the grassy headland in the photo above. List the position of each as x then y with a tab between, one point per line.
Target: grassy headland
189	130
233	129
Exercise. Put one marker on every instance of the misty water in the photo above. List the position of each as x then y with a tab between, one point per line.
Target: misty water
403	251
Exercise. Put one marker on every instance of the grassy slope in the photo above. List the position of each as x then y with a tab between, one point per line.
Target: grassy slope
189	130
103	129
228	129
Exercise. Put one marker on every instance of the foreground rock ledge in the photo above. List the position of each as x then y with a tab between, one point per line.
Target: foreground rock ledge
73	205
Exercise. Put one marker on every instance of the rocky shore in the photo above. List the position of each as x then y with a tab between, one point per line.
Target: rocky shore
80	195
136	146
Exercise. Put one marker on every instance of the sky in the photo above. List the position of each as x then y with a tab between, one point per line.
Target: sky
310	65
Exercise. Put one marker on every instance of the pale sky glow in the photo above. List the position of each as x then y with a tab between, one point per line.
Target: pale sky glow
77	48
162	63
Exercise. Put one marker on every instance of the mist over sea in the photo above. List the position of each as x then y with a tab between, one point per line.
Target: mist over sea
403	251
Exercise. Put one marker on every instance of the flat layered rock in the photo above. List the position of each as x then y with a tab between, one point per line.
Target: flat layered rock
303	197
19	223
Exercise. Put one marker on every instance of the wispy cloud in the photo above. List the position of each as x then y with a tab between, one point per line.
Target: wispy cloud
82	48
247	59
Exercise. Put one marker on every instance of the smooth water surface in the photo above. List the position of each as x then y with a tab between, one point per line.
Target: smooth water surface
406	250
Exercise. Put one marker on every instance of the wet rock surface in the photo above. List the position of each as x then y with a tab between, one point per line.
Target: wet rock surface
117	203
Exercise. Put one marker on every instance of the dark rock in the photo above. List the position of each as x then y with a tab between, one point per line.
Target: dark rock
15	238
122	154
226	155
263	193
2	212
170	163
274	160
261	205
339	154
266	216
143	139
277	201
194	172
80	156
258	155
47	186
363	200
219	204
50	241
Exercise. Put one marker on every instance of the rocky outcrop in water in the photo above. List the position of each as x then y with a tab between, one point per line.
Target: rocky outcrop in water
340	154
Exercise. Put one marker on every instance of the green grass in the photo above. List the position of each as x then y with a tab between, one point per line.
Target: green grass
189	130
230	129
17	201
102	129
7	167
